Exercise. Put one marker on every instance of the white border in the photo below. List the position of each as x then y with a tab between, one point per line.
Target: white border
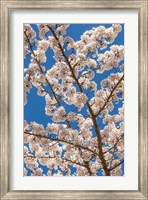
130	180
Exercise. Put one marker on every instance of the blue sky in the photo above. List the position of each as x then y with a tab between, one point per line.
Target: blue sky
34	110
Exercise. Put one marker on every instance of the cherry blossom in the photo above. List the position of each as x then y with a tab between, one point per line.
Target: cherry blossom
83	93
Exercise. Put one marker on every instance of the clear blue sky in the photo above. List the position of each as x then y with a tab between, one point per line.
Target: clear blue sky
34	110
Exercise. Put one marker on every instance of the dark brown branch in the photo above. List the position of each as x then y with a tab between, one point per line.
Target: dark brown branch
113	145
88	168
70	161
101	156
32	156
117	165
53	93
41	68
77	163
110	96
61	140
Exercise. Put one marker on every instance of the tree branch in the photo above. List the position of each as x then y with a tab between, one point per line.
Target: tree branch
114	144
70	161
61	140
110	96
117	165
107	172
53	93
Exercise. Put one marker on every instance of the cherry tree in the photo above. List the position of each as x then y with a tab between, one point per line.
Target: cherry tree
85	133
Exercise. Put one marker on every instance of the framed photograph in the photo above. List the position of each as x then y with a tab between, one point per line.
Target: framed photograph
74	99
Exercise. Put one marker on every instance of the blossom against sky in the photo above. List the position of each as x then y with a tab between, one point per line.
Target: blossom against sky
97	77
